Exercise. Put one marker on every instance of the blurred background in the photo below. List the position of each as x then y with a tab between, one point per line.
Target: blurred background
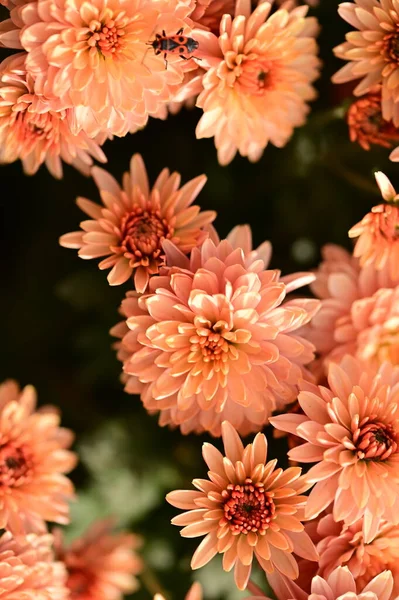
57	309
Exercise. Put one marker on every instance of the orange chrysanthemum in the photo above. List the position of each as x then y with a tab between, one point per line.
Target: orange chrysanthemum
28	570
101	565
211	341
352	433
247	508
33	458
366	125
95	57
31	131
134	221
346	320
378	232
344	545
260	79
209	13
372	51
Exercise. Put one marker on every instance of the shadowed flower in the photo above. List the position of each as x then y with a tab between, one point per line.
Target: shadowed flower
95	57
344	545
246	508
260	79
101	565
134	221
378	231
212	340
372	51
346	320
33	456
351	431
209	13
366	125
34	133
194	593
28	570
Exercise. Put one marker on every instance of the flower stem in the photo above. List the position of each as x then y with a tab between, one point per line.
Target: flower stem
151	583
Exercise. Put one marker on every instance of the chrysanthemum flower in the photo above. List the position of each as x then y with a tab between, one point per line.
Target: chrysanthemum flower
134	221
378	231
194	593
260	80
348	295
352	433
212	340
247	508
339	585
95	57
372	51
102	564
28	570
366	125
344	545
33	458
34	133
209	13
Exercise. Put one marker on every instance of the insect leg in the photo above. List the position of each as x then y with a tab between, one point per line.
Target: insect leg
180	31
166	60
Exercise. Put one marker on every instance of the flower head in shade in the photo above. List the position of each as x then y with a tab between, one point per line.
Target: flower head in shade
28	570
344	545
260	79
366	125
212	340
134	221
209	13
339	585
95	57
194	593
349	317
378	231
102	564
372	51
247	508
351	431
34	133
33	458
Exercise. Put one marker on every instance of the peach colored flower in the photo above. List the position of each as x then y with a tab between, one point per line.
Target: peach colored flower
33	458
102	564
344	324
372	51
194	593
344	545
212	340
31	131
134	221
339	585
94	56
28	570
209	13
260	79
247	508
351	431
378	231
366	125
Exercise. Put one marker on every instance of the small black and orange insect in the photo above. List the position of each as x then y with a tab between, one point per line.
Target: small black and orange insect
174	44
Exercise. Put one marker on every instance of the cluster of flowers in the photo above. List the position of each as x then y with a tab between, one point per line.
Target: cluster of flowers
210	342
87	72
373	55
34	564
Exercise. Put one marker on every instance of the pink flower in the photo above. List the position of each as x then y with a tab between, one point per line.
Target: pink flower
94	56
101	565
260	79
134	221
378	232
212	340
31	131
246	509
372	51
351	431
33	458
345	323
28	570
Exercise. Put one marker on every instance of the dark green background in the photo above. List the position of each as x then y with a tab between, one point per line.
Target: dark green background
57	309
